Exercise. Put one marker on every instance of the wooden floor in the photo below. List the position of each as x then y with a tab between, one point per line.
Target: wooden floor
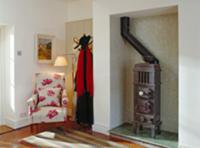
4	129
12	138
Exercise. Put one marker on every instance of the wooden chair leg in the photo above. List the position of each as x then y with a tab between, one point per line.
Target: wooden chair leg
32	124
65	123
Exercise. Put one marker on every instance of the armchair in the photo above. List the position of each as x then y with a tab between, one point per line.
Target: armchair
49	101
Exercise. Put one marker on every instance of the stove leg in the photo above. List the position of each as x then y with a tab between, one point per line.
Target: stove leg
136	128
141	128
158	131
153	132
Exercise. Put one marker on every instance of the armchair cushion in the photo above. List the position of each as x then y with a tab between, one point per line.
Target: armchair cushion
50	80
49	114
49	97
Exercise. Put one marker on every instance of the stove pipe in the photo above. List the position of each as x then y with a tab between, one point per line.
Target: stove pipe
144	52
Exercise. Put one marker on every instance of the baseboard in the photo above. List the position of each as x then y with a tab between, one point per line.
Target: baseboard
183	146
15	124
101	129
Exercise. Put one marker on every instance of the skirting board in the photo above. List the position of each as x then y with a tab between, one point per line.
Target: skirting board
181	146
15	124
101	129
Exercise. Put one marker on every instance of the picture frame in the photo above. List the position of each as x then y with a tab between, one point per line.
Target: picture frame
44	48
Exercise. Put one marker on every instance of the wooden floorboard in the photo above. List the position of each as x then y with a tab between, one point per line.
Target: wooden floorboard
4	129
12	138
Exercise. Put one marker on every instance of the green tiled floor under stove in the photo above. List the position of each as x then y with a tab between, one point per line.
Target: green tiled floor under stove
165	139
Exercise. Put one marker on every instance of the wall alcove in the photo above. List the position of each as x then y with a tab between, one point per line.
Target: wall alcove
156	29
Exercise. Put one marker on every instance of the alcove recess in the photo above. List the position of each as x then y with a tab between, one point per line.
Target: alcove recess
156	29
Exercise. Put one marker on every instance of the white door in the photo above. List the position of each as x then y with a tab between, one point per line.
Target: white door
2	71
6	70
1	83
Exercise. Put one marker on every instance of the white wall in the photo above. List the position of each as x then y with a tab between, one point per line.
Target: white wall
29	18
102	9
189	72
1	73
117	72
189	44
79	10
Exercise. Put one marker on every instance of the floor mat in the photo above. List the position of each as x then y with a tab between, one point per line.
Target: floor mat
69	138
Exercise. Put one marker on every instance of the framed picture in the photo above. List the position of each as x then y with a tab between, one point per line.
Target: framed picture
44	48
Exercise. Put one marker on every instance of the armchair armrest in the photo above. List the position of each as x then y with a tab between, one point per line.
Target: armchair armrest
32	103
64	99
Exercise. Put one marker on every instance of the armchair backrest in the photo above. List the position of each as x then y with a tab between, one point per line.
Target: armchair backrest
49	80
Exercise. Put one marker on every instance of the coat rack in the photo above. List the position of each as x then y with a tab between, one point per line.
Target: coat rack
80	42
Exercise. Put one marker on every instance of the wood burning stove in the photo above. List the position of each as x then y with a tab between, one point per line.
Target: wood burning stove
147	97
146	85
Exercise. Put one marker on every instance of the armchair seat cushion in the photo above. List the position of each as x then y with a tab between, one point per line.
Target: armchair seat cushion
49	114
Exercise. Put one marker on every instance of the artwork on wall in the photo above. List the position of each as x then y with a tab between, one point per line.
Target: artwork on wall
44	48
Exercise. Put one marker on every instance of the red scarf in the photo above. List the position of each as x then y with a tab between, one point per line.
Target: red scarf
80	73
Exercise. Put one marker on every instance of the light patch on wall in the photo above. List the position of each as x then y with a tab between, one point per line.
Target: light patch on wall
7	76
12	69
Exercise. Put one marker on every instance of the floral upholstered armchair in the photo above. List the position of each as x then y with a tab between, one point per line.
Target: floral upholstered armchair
49	101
